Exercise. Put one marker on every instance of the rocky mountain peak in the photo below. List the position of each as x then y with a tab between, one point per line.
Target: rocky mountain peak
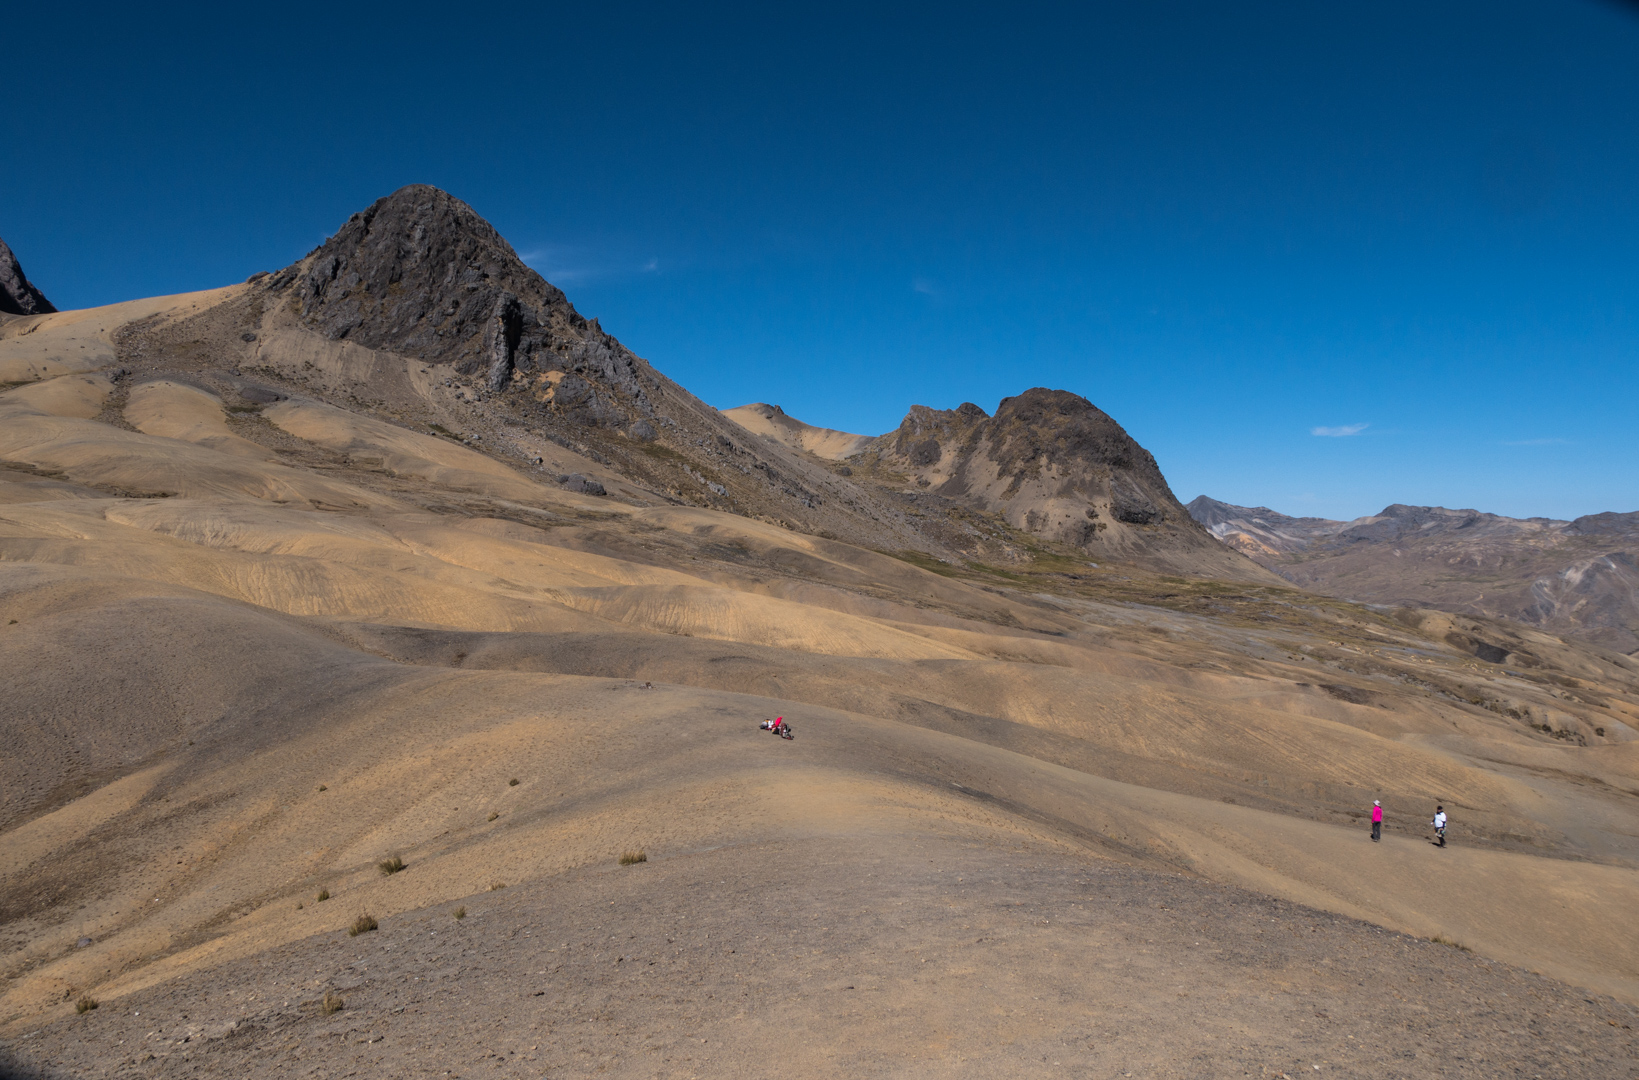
18	296
1042	437
421	274
1054	464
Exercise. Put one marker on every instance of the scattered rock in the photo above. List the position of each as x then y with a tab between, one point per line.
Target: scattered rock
581	485
1354	695
642	431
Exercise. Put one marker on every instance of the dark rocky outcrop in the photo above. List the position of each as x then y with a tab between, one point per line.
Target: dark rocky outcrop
1056	465
581	484
19	296
419	273
1048	443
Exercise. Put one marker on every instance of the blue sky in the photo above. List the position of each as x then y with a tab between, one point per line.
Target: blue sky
1412	228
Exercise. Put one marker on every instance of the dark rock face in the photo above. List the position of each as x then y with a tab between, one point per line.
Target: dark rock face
18	296
421	274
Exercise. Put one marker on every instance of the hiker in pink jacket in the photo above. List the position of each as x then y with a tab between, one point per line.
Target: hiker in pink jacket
1377	821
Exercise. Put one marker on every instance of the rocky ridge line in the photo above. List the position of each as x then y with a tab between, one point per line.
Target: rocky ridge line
19	296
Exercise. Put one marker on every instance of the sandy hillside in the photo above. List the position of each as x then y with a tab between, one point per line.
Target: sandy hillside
771	422
261	635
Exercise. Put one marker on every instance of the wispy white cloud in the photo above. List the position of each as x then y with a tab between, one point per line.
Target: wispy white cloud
1537	442
549	263
1339	432
925	287
560	265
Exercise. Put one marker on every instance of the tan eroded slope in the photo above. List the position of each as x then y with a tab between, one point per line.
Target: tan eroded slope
771	422
412	624
36	347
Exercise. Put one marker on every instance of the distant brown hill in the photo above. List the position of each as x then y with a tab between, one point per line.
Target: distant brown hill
1050	463
1576	577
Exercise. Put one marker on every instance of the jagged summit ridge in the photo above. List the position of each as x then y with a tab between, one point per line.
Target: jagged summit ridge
1052	443
1055	465
421	274
19	296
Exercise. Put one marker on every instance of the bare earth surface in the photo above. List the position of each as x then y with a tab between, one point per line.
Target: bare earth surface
262	631
852	956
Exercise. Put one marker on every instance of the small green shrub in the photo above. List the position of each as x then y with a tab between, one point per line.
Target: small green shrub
460	913
361	925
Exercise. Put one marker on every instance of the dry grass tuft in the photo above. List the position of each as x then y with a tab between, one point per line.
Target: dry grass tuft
324	894
323	788
460	913
513	782
332	1003
1441	939
496	885
390	865
493	814
362	925
85	1005
631	857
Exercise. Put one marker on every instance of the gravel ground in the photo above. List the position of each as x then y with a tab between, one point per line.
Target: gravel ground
854	958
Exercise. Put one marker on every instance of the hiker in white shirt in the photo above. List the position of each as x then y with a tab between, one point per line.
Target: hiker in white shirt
1440	825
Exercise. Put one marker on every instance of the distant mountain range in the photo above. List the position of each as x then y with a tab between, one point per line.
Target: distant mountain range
1578	577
